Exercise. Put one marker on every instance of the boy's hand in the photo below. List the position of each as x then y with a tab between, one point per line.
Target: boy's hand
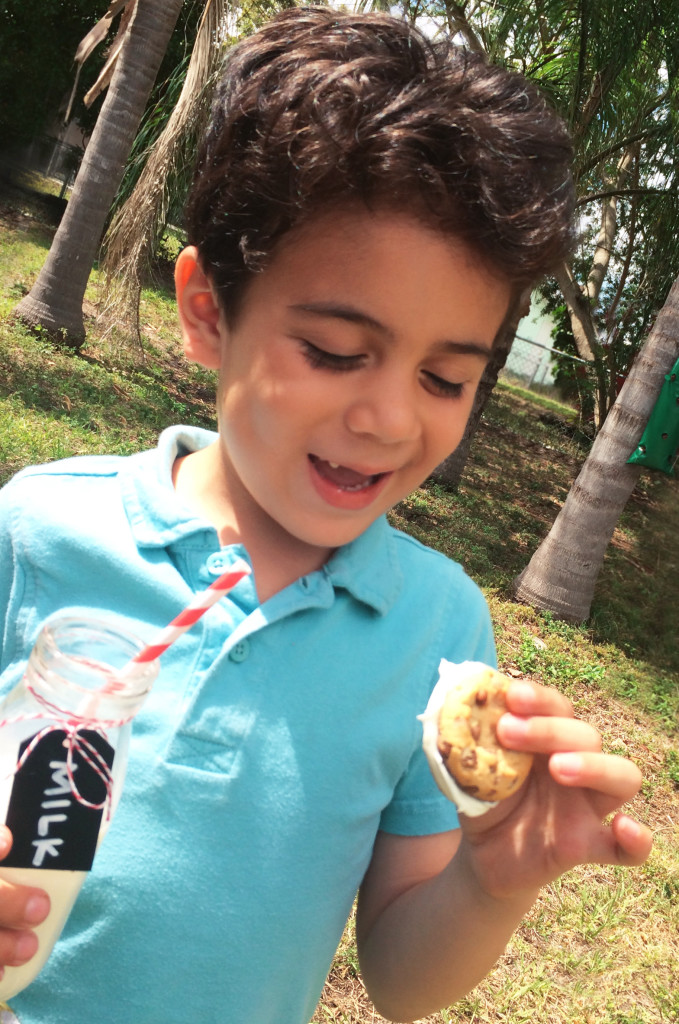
21	907
556	820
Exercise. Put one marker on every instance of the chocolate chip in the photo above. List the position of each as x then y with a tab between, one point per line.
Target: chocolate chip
444	748
469	759
481	697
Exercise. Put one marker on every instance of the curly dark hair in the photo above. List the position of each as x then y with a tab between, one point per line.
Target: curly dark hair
321	109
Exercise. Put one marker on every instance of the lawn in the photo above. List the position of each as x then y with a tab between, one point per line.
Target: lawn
602	945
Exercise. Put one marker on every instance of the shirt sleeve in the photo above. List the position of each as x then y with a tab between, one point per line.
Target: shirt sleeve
418	807
10	571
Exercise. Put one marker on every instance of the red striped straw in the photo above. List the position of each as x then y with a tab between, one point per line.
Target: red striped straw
193	612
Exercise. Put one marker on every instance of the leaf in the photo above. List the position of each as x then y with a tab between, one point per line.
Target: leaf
135	228
89	43
106	73
97	34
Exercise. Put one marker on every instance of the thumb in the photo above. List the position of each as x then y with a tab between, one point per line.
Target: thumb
5	841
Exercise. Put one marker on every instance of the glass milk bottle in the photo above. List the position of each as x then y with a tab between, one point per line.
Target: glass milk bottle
64	738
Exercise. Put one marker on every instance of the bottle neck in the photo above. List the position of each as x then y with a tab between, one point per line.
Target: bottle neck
83	668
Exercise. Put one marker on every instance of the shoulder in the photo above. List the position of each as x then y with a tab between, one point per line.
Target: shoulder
69	495
51	475
430	572
76	466
447	605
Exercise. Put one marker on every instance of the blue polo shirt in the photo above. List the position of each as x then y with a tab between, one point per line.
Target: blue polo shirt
277	740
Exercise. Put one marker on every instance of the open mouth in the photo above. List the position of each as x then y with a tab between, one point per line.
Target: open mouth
344	478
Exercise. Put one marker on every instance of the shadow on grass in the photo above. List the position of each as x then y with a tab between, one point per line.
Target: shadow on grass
23	205
93	396
517	478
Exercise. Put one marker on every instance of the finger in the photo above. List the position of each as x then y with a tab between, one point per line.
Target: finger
526	698
634	840
614	776
22	906
5	841
547	734
625	842
17	947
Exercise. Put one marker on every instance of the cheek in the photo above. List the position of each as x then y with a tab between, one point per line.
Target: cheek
260	417
448	431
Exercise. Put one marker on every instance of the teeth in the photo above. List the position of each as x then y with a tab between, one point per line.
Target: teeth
334	465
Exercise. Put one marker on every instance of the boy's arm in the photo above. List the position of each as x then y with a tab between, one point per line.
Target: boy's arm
426	941
435	912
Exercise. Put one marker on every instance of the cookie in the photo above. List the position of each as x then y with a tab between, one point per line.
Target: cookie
467	741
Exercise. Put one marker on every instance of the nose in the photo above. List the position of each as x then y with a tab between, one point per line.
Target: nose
385	410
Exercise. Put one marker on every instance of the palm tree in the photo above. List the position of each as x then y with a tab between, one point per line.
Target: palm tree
562	573
55	300
166	156
612	70
139	220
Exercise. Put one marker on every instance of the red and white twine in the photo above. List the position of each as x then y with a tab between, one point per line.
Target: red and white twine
75	742
74	725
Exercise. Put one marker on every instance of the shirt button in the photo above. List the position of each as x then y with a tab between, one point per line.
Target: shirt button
218	562
240	651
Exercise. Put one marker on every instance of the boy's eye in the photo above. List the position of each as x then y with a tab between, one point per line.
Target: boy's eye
445	388
321	358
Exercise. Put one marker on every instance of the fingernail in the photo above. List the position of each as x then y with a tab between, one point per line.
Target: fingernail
567	764
513	727
37	909
25	948
630	826
522	693
5	841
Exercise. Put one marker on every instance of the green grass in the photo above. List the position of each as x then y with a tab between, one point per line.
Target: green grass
601	946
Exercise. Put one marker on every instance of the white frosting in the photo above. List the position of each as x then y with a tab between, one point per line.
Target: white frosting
450	676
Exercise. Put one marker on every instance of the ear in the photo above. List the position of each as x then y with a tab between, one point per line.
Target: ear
199	312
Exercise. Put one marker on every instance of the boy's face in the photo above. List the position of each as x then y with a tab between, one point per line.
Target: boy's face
350	372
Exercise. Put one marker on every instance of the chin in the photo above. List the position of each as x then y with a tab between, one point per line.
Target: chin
330	539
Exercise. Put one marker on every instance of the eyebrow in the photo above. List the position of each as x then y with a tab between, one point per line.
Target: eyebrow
349	314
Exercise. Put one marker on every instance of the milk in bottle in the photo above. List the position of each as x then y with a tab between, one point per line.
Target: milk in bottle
64	737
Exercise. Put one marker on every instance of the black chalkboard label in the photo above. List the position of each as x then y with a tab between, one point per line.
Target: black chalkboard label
51	827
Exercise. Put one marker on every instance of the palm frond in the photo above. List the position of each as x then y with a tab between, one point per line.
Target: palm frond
103	81
97	34
135	229
89	43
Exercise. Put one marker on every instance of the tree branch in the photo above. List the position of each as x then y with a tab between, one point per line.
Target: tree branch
631	243
622	144
620	193
580	313
607	232
457	19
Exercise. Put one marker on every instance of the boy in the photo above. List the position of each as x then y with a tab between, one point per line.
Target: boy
365	212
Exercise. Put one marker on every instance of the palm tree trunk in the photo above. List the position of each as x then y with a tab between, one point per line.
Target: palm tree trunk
562	573
55	300
449	472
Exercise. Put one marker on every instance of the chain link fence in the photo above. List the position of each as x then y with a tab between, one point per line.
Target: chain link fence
45	156
531	365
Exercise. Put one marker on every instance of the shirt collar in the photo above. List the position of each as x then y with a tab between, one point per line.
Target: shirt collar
156	515
368	567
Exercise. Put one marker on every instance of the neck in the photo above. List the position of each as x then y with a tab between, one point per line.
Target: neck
278	559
